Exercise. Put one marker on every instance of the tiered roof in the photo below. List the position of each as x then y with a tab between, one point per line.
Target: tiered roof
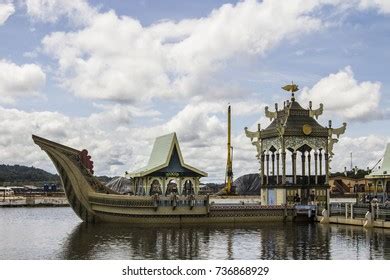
292	118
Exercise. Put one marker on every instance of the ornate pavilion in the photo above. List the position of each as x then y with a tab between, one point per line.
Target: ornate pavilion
166	172
294	152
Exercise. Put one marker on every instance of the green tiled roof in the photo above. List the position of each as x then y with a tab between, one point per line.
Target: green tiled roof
161	154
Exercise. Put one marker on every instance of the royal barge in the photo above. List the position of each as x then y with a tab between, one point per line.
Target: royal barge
167	189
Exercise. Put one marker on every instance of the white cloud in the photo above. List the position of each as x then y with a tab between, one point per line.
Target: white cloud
366	151
78	11
343	95
116	58
383	6
19	81
6	10
117	145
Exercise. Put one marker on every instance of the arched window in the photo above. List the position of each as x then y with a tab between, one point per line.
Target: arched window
171	187
188	188
155	187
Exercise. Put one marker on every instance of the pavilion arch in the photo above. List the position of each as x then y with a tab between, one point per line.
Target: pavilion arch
151	182
183	182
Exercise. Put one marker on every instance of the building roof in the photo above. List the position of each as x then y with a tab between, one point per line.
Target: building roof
293	117
163	149
384	171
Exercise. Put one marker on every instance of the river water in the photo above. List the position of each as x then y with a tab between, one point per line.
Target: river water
57	233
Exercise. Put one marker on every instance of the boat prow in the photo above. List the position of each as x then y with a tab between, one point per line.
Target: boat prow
76	176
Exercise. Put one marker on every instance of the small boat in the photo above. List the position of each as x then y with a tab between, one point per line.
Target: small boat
94	202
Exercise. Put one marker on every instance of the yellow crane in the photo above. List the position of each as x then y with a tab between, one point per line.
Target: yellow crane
229	163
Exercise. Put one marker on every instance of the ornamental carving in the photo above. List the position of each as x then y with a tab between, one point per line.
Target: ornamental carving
297	141
268	143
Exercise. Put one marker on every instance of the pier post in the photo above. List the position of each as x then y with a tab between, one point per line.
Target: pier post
351	211
377	211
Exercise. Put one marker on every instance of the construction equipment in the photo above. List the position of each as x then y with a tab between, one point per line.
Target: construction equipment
229	163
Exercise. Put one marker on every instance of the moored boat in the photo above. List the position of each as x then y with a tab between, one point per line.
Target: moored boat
93	202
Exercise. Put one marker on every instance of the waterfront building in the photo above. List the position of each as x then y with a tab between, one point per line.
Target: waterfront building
345	184
294	153
379	180
166	171
6	191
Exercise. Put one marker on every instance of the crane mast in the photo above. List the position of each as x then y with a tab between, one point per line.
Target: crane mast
229	163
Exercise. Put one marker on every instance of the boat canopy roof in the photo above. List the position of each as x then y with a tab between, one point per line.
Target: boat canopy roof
164	148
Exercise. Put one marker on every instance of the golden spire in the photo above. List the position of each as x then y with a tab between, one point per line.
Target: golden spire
292	88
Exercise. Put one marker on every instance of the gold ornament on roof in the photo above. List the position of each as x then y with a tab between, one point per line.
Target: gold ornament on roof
291	88
307	129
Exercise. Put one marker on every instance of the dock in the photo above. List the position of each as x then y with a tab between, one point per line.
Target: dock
358	214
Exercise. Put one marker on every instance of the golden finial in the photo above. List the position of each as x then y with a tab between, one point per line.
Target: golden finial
292	88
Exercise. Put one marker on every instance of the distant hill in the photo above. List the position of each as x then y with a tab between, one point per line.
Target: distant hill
20	173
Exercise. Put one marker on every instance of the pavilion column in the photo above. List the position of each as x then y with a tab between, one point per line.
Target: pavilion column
308	166
294	166
273	163
262	156
283	167
315	168
326	168
320	161
303	157
277	168
267	159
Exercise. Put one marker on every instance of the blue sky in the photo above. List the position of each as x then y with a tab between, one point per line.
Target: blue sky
111	76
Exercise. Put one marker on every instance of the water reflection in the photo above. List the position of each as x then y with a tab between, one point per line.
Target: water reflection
268	241
56	233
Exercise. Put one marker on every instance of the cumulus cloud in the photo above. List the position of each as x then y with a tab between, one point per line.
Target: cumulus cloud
383	6
116	58
343	95
78	11
117	146
366	151
19	81
6	10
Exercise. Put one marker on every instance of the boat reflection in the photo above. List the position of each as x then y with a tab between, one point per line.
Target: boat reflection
266	241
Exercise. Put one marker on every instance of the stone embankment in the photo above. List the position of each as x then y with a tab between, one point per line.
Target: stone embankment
34	201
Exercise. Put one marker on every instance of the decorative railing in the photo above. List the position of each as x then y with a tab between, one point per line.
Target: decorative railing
359	210
154	201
